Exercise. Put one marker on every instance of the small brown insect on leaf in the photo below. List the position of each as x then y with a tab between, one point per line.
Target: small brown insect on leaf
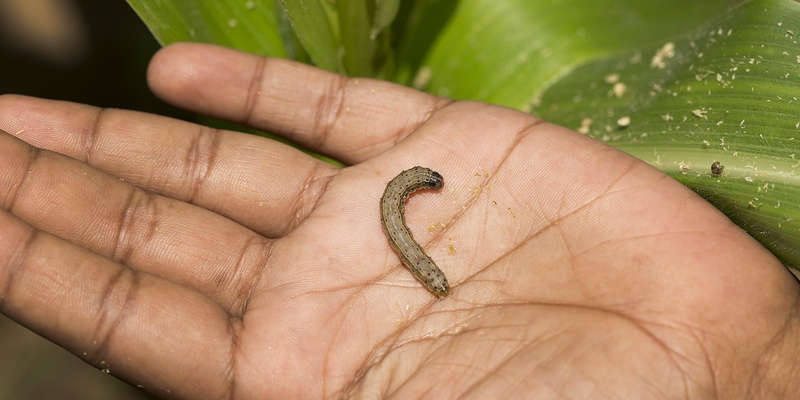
717	168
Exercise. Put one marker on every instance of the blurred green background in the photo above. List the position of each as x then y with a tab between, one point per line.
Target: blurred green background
87	51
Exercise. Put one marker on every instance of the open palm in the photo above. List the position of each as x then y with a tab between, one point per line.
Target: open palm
208	264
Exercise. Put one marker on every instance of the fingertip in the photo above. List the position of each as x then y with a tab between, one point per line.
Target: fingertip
50	124
196	75
172	68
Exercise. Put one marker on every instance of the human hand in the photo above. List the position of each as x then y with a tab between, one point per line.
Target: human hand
202	264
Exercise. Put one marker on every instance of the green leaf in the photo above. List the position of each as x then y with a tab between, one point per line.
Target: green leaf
724	92
248	25
355	20
507	52
365	44
316	25
385	12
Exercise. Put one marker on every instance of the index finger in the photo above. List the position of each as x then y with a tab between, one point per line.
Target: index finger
350	119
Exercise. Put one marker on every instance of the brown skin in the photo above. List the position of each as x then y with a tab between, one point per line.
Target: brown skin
211	264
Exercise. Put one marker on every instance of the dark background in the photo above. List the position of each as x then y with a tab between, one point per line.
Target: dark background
86	51
93	52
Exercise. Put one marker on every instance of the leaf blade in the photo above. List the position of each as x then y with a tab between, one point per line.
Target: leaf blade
726	92
245	25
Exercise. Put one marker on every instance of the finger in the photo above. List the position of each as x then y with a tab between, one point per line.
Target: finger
135	326
350	119
260	183
167	238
